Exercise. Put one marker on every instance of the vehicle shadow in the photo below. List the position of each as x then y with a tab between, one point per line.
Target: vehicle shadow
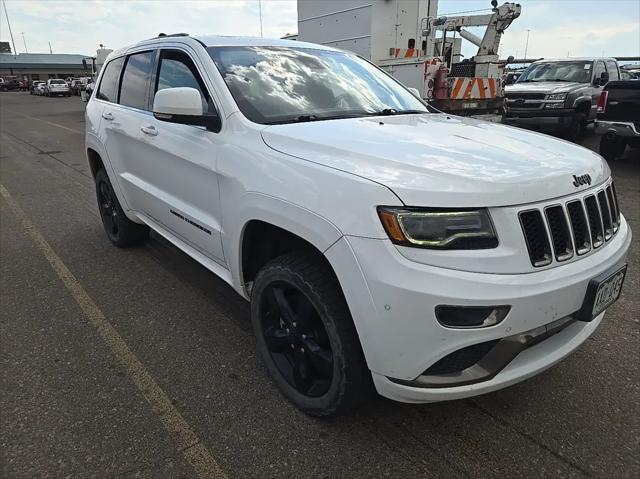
539	427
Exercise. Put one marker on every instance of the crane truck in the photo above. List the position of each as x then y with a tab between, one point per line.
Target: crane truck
407	39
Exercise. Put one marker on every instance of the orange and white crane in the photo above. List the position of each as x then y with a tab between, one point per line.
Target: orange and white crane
422	50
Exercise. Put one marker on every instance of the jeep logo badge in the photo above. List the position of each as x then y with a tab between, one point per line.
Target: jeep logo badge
581	180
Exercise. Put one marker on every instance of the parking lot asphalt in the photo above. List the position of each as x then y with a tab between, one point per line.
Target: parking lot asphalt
141	363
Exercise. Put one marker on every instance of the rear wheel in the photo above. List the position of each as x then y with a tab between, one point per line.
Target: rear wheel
120	230
306	335
612	148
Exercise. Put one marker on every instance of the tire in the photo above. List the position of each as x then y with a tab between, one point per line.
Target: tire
306	336
577	127
612	148
121	231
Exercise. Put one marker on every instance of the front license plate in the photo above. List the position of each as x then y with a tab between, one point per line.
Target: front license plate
602	293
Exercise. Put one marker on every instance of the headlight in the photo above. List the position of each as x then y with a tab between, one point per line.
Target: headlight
438	228
557	96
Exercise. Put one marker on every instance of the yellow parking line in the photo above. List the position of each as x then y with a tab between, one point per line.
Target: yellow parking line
186	440
45	121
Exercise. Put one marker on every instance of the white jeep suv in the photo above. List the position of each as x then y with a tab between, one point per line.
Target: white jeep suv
381	243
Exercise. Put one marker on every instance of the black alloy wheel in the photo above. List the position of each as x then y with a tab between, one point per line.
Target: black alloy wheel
306	335
108	209
296	339
120	230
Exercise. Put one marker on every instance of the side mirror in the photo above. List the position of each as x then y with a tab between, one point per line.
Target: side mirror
183	105
415	92
602	80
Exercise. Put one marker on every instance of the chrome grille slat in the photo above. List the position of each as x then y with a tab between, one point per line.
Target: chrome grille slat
579	227
615	200
558	232
613	209
606	215
536	237
595	221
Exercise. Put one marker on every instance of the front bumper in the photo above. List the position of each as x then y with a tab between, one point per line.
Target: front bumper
542	119
393	300
617	128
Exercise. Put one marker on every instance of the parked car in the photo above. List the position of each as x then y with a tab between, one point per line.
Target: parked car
39	88
618	118
558	96
512	77
378	241
34	86
10	85
90	86
57	87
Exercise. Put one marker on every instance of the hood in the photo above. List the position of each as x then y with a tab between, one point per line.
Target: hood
543	87
442	160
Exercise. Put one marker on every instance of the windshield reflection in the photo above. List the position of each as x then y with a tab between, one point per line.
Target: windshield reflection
579	72
279	85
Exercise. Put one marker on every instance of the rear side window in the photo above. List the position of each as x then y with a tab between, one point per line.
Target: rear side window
134	90
178	70
612	69
599	69
108	89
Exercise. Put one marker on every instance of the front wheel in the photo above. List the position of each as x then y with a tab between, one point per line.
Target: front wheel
577	127
120	230
306	335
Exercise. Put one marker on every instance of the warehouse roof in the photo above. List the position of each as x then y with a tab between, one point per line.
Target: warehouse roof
39	59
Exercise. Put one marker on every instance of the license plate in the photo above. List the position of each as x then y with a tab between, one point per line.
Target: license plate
602	293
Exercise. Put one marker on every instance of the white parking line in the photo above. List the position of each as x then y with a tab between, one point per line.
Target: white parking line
184	437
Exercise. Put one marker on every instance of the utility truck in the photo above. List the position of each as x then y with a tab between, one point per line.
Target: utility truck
407	39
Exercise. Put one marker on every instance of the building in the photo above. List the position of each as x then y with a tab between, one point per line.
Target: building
42	66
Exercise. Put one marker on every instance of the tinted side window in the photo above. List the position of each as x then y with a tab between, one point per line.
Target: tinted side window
177	70
108	89
612	68
134	90
598	70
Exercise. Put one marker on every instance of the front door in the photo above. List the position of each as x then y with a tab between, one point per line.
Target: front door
180	163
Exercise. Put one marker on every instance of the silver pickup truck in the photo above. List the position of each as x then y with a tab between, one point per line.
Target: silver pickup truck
558	96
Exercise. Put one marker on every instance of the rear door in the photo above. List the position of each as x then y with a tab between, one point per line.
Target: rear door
123	90
179	162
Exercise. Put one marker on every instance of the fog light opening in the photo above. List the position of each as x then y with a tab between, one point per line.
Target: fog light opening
463	317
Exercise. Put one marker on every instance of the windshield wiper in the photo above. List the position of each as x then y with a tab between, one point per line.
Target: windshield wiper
302	118
393	111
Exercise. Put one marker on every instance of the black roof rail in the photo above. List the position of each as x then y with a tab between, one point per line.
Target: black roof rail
162	35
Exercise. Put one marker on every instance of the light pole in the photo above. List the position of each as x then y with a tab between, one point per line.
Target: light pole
526	47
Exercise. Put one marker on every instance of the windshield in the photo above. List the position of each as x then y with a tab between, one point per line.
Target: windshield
58	82
281	85
579	72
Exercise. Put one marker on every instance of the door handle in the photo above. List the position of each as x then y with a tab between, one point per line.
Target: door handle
149	130
107	116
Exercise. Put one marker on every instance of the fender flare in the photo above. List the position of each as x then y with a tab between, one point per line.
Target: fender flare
254	206
581	100
92	143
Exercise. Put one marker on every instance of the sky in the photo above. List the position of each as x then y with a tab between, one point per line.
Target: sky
557	28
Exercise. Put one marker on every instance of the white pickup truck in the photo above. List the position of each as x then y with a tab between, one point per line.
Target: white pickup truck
381	243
